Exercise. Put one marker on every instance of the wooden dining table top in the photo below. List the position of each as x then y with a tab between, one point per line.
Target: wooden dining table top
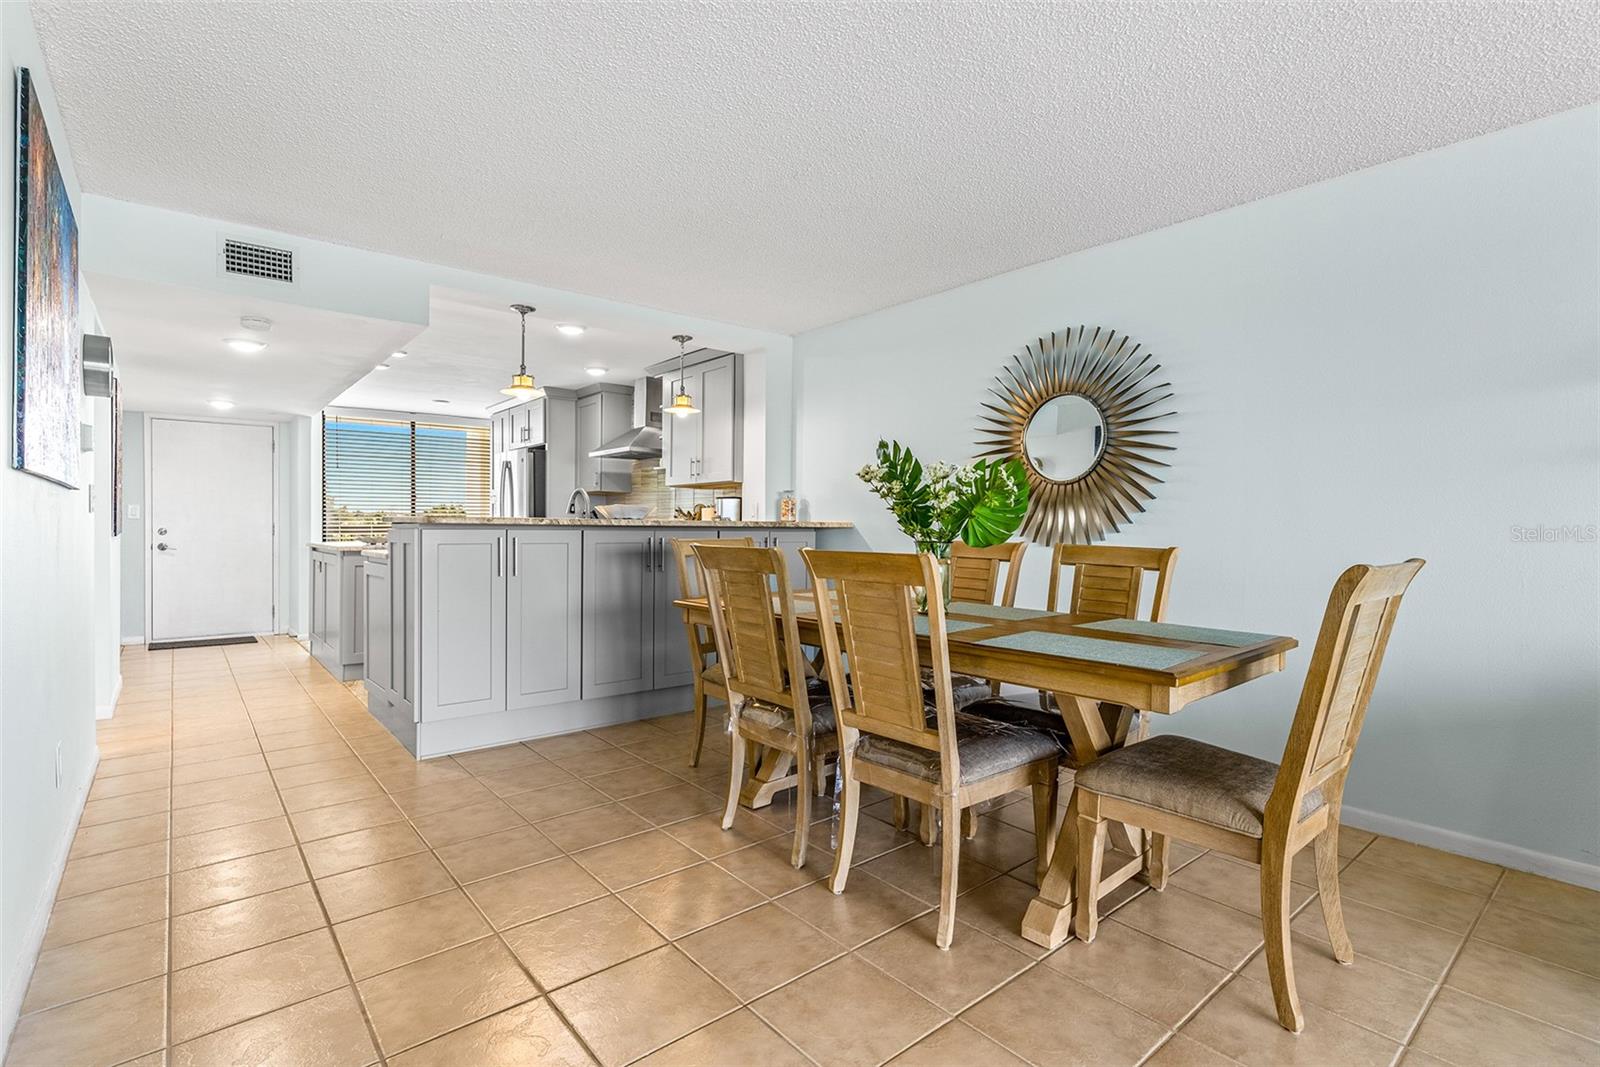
1152	666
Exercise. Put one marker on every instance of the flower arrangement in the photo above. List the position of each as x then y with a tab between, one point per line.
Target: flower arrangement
980	504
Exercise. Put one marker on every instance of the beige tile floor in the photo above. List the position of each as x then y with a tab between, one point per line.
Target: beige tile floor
262	875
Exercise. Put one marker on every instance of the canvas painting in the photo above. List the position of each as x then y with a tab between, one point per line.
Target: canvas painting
49	363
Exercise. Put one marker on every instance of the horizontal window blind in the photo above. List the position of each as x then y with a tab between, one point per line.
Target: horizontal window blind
374	469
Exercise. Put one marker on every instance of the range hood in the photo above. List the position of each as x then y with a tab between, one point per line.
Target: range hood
643	439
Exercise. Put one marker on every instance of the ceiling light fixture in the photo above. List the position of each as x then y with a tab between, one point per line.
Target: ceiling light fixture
570	329
398	355
247	346
682	403
441	401
522	382
595	372
222	405
381	366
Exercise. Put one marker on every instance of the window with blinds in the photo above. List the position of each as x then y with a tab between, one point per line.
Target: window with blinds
376	468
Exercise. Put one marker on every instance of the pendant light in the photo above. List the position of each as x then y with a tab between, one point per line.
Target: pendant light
682	403
522	382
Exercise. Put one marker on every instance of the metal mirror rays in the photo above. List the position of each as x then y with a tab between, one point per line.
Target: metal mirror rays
1080	500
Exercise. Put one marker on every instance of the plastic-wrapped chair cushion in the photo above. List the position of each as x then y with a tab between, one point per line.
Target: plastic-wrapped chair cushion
781	718
986	748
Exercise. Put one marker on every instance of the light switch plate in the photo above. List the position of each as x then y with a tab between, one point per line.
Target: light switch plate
133	511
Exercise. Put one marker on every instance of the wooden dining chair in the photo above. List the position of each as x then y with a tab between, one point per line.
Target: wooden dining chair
708	680
975	579
885	737
771	699
1251	808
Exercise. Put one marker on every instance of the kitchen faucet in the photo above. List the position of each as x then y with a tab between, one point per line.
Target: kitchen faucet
588	505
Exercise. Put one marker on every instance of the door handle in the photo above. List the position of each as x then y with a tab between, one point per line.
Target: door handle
499	550
661	553
513	557
161	546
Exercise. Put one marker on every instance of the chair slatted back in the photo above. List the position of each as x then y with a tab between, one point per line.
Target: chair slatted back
753	622
874	595
975	572
691	582
1344	667
1107	579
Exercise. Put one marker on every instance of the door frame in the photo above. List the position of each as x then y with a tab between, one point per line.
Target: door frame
149	484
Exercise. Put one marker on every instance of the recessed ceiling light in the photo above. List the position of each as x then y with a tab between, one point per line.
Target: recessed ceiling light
381	366
570	329
397	355
222	405
441	401
255	322
595	372
248	346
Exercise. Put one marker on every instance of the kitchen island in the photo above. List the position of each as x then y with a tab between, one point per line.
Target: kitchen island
481	632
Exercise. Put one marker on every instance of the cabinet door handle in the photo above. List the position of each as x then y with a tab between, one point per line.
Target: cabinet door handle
661	553
647	557
513	557
499	549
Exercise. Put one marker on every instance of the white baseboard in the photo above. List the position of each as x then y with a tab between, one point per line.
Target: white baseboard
105	711
16	982
1478	848
136	639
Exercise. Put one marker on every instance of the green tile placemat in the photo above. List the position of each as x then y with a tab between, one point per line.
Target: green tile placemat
995	611
950	625
1069	646
1203	634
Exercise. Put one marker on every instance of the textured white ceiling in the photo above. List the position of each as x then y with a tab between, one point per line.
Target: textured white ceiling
770	163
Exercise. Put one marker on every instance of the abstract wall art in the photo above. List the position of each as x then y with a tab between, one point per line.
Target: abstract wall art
49	362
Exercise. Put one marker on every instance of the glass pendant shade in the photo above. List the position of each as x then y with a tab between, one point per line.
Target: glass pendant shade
521	385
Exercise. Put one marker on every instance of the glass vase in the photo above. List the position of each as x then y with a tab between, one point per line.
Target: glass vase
941	556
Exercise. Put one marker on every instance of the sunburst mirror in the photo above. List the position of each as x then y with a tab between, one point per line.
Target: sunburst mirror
1080	409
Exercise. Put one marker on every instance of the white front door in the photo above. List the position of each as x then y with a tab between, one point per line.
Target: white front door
209	529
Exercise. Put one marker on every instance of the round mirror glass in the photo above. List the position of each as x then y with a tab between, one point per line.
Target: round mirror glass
1065	437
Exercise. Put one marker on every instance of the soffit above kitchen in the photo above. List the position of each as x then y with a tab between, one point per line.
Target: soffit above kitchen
470	348
772	164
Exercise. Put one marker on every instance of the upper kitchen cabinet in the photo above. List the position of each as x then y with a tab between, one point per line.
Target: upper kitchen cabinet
706	448
603	413
519	426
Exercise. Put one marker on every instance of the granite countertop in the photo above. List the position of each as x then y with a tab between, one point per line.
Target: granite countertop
341	546
377	555
742	524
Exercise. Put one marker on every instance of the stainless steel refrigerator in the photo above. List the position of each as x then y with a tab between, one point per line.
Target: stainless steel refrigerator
521	484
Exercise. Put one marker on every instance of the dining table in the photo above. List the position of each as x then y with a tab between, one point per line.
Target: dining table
1103	672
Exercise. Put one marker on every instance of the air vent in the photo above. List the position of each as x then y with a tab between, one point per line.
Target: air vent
257	261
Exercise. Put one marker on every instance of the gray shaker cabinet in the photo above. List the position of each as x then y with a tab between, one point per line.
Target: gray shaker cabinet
618	611
672	666
377	596
544	609
337	632
463	625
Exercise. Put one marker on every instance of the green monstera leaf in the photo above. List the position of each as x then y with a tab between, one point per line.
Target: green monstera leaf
995	508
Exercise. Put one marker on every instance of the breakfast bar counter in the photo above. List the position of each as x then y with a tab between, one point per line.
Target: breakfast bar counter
482	632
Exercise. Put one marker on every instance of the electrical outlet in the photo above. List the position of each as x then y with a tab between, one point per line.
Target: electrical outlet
133	511
58	764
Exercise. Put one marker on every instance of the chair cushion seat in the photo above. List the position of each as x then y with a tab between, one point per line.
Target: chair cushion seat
1019	713
963	687
1191	778
781	718
987	747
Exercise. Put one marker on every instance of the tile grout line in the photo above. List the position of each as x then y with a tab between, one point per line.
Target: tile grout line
316	892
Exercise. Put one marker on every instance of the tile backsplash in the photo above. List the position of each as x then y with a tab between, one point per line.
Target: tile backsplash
651	490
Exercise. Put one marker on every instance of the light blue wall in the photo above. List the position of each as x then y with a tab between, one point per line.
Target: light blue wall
1399	362
47	622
